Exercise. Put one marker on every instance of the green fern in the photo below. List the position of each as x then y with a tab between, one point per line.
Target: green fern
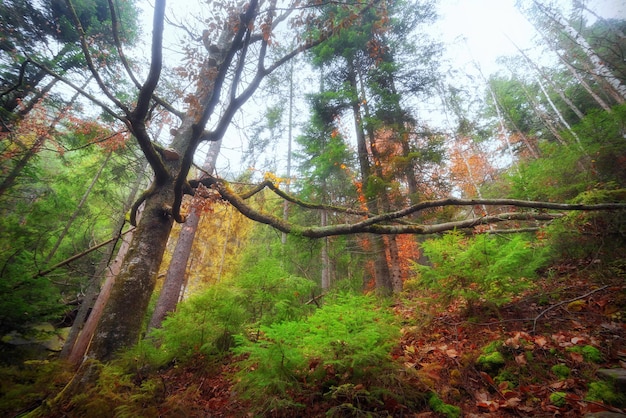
481	268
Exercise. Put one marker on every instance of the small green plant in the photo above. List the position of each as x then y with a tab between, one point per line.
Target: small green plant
491	359
440	407
561	370
558	398
481	268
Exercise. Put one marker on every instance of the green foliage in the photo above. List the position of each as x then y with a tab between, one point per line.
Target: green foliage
439	406
34	218
207	323
23	386
591	234
480	268
589	353
346	341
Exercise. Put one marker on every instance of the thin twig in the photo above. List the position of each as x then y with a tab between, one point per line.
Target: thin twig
562	303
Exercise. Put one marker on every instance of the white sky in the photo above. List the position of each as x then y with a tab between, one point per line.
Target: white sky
486	24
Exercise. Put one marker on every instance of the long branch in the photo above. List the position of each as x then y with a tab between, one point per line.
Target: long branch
379	224
80	255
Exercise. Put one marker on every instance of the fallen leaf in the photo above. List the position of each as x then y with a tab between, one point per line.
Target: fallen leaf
488	378
577	357
521	359
512	402
452	353
541	341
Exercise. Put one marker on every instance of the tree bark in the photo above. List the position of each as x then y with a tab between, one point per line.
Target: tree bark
177	270
381	268
82	325
122	319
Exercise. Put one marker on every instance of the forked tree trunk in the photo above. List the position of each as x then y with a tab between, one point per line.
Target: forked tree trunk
177	270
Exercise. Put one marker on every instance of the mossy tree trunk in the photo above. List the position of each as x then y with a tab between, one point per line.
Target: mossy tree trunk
121	323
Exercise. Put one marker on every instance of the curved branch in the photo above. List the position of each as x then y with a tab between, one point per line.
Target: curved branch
78	89
20	79
299	202
379	224
118	44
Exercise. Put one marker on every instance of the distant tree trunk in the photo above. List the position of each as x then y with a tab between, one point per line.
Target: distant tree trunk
560	116
79	207
9	180
546	77
503	130
175	278
585	85
381	268
289	143
599	67
324	256
394	263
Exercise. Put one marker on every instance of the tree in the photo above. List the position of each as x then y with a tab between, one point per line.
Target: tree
175	278
236	61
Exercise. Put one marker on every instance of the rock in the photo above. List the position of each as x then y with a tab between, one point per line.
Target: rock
617	376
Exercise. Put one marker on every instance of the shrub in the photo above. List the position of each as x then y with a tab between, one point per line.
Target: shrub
480	268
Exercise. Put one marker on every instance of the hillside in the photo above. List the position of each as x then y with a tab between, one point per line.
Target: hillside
543	354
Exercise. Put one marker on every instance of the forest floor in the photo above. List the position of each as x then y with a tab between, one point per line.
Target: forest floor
538	355
541	355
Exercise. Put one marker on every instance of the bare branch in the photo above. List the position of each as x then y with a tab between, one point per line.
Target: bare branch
379	224
80	255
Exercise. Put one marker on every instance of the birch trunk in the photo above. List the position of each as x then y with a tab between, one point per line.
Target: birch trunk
599	68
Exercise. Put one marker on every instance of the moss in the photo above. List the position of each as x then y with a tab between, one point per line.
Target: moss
440	407
561	370
590	353
604	392
508	376
492	347
558	398
492	361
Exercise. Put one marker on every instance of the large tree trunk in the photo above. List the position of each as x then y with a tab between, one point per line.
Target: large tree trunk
121	323
96	294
